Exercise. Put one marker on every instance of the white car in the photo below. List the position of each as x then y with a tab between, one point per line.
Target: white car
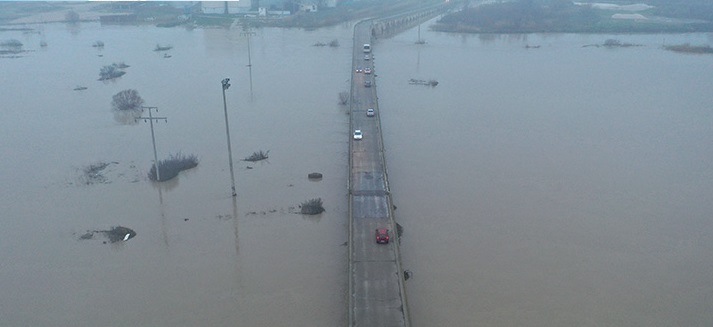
358	135
370	112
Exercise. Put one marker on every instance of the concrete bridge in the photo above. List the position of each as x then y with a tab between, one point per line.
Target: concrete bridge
376	284
377	296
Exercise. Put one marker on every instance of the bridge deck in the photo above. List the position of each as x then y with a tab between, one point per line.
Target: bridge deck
376	293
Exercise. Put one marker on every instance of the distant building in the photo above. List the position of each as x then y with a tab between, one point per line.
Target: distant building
307	6
226	7
182	4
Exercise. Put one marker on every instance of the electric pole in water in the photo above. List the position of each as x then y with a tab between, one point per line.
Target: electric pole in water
150	119
247	31
226	84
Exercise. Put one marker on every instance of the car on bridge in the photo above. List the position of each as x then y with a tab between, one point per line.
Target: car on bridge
382	236
367	70
358	69
358	135
367	83
370	112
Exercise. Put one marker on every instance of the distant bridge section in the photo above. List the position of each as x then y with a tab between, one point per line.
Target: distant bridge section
392	25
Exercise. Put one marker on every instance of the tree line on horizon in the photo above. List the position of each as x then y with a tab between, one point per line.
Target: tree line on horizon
528	16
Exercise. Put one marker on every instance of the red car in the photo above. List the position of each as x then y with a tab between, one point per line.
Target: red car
382	235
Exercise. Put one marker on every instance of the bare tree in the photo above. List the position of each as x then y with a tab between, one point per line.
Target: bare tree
126	106
127	100
71	17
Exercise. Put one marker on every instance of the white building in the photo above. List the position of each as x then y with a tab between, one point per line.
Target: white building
308	6
226	7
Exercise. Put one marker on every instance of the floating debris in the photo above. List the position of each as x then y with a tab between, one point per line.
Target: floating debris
162	48
115	234
688	48
94	173
431	82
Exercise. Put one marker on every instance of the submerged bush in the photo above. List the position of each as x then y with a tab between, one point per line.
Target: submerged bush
169	168
257	156
110	72
312	207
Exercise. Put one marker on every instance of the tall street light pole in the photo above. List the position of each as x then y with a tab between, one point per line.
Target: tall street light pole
226	85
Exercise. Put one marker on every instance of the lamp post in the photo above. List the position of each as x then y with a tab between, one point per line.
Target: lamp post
226	84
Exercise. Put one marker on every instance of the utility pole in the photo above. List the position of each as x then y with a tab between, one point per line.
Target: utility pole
226	84
247	31
150	119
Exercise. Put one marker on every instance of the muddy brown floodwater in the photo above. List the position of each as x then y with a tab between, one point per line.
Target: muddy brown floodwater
540	183
198	258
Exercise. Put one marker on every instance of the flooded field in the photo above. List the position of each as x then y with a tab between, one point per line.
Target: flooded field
198	258
545	183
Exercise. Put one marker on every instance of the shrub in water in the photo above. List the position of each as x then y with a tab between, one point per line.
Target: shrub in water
169	168
312	207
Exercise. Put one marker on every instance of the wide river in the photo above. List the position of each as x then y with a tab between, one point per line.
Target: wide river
553	185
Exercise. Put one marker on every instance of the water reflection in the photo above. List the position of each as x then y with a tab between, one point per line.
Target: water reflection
164	222
235	228
127	117
73	28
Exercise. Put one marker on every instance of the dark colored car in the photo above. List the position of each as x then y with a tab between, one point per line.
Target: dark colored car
367	83
382	235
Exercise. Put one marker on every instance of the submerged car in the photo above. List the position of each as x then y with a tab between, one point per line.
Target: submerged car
370	112
358	135
382	235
